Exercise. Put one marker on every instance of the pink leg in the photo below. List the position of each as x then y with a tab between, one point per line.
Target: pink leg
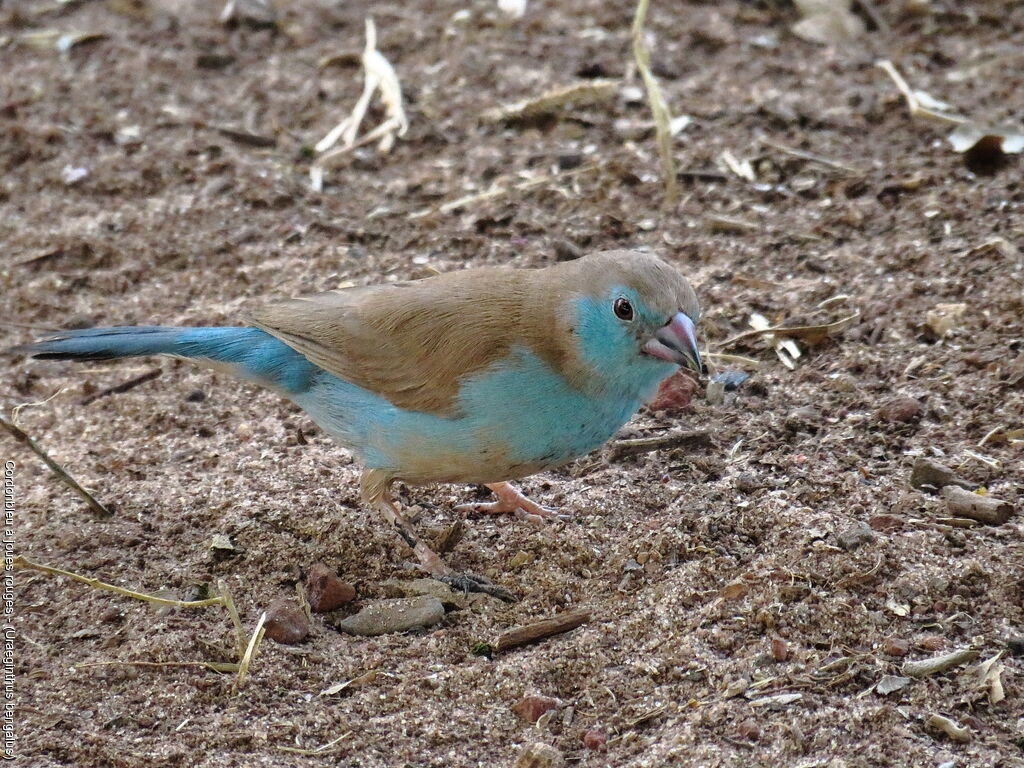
511	500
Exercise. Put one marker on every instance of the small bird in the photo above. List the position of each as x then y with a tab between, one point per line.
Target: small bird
476	376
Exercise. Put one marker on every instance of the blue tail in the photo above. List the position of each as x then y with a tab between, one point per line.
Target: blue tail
248	352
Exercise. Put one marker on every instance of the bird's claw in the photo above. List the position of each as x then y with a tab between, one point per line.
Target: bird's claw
468	582
512	501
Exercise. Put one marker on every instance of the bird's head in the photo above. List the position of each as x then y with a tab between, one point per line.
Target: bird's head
633	318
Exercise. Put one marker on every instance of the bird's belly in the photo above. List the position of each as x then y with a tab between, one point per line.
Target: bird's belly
514	420
510	421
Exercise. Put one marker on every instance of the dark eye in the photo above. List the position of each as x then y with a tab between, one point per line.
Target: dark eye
623	309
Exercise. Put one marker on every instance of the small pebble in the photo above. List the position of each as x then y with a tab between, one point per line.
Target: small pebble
856	535
901	409
539	756
895	646
749	730
387	616
932	475
885	522
731	380
533	706
594	739
780	649
745	482
286	622
325	591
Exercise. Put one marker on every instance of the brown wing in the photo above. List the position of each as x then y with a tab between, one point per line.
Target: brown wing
409	342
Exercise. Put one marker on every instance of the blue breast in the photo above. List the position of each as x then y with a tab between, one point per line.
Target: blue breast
514	418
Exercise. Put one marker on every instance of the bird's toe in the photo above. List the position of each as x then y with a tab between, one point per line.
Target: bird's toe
469	582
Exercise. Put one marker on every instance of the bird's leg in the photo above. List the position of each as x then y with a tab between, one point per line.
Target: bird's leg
429	560
511	500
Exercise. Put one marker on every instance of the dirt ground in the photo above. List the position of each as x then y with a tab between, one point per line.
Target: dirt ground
747	594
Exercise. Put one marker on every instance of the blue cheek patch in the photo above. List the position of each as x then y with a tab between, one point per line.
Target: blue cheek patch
612	350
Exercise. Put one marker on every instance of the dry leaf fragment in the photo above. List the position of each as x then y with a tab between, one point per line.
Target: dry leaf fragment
899	609
954	731
554	100
891	683
989	678
355	682
54	39
829	22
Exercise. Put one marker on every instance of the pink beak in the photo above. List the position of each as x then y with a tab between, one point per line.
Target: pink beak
676	342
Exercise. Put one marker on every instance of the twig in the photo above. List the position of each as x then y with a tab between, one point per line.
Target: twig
531	633
621	449
120	389
659	109
318	750
813	157
98	509
245	652
984	509
937	664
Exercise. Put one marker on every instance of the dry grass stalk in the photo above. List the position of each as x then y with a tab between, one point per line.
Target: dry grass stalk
659	109
250	651
215	666
223	598
379	75
578	94
98	509
919	103
499	190
317	750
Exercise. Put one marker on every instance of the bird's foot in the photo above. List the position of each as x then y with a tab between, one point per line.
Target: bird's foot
469	582
432	563
511	500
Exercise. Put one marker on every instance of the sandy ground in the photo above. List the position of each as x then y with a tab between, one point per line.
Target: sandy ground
719	577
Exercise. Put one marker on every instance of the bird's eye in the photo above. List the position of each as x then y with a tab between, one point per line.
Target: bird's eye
623	309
